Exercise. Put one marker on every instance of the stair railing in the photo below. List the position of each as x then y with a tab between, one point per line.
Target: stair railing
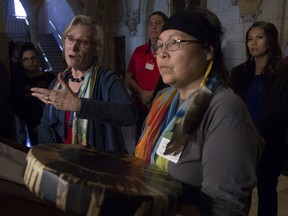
47	64
56	35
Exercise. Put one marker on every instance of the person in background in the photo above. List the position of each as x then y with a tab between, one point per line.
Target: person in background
262	82
198	130
142	73
88	103
27	74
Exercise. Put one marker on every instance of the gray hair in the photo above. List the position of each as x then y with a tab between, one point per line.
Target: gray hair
96	30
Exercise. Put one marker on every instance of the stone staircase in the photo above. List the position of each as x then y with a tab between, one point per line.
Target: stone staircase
52	52
17	29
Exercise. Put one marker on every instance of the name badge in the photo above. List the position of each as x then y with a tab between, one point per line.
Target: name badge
149	66
163	145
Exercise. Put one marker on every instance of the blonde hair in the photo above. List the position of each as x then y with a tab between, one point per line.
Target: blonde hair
96	31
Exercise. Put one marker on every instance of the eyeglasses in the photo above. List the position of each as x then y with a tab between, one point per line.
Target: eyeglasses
32	58
172	44
82	43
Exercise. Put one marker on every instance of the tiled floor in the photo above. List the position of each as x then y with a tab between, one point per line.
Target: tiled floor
282	198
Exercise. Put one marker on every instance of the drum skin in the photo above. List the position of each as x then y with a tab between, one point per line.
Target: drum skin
89	182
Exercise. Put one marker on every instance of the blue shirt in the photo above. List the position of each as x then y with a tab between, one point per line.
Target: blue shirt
254	98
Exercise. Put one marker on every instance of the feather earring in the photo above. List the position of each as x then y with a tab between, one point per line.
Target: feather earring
186	127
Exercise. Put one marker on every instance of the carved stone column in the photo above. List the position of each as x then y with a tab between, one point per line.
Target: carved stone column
32	8
96	9
4	54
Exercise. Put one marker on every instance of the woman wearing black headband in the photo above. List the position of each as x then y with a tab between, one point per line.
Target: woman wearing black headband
198	130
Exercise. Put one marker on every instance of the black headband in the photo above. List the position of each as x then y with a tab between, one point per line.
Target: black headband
182	22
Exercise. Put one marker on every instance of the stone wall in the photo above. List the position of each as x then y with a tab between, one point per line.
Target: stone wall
235	27
120	13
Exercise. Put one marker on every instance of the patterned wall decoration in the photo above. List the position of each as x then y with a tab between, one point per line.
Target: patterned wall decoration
132	20
249	9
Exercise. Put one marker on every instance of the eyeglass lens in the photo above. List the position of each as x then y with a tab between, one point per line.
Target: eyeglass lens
83	43
32	58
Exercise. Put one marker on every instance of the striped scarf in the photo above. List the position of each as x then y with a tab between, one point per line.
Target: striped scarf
153	125
80	126
164	116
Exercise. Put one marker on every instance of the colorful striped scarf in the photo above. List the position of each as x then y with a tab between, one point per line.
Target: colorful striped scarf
153	125
161	119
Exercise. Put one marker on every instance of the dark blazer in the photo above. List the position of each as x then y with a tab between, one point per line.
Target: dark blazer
273	123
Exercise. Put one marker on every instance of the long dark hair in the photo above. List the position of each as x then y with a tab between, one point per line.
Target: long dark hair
274	52
28	46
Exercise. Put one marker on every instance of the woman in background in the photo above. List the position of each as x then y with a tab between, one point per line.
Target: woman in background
262	82
26	75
